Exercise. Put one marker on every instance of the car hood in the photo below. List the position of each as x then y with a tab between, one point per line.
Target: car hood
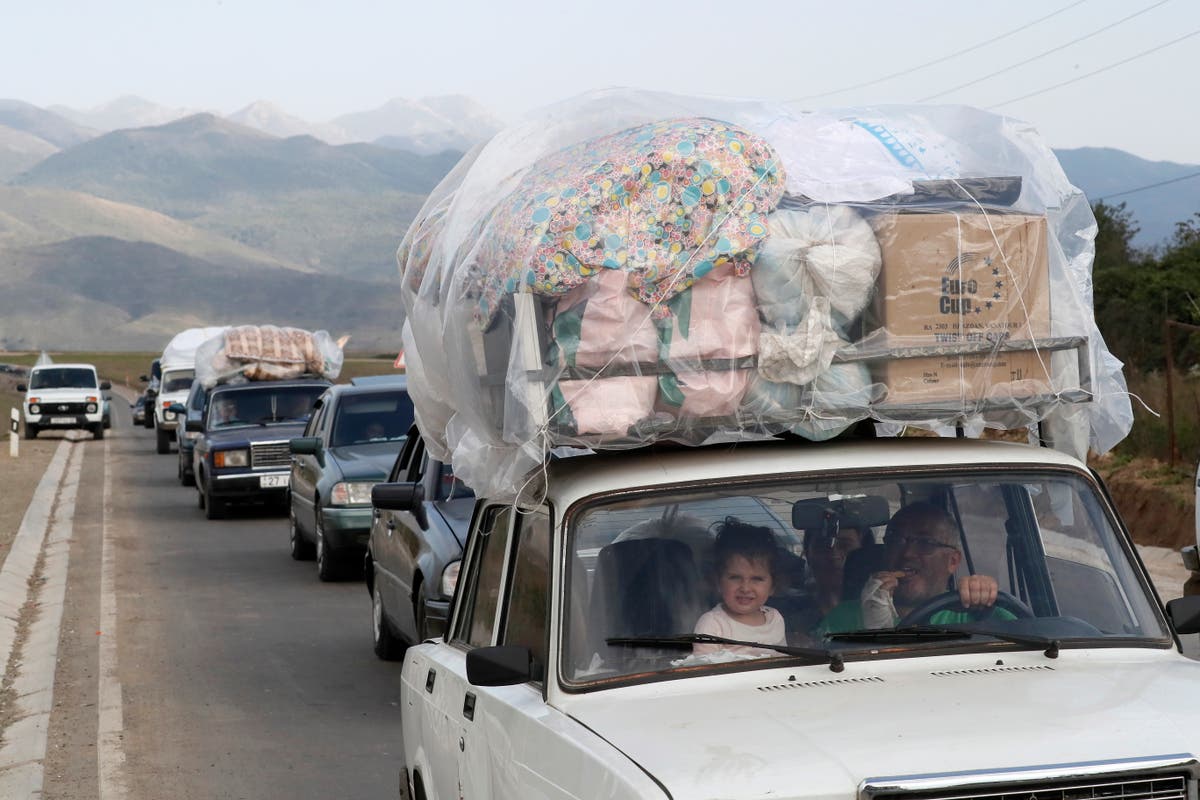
53	395
812	733
364	462
245	434
457	514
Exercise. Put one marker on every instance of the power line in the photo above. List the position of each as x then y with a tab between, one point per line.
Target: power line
1051	51
1150	186
1097	71
956	54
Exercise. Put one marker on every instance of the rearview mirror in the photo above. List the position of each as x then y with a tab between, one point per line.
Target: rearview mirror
867	511
22	387
177	408
105	386
194	426
305	445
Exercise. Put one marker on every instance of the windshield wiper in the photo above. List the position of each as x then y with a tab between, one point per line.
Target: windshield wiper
683	640
908	633
1028	639
926	633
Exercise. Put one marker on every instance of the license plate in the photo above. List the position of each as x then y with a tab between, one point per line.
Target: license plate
273	481
62	420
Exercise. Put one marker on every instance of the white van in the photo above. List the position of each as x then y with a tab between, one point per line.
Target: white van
62	397
178	365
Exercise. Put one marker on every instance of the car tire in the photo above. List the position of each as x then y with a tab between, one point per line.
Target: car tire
328	568
213	508
98	430
185	478
31	431
388	646
162	443
301	548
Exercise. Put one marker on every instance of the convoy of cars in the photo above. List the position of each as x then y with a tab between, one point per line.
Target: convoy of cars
347	447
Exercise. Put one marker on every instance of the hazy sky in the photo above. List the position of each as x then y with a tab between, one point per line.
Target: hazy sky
321	59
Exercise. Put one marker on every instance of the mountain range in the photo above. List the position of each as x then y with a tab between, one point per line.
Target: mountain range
130	221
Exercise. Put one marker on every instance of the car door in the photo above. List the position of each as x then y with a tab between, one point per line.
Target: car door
405	538
306	471
449	747
383	544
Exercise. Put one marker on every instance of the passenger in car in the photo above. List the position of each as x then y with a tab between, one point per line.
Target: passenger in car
826	556
746	558
923	553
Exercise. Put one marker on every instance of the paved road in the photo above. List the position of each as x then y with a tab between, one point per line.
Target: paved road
227	671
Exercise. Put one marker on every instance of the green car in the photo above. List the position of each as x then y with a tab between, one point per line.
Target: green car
351	441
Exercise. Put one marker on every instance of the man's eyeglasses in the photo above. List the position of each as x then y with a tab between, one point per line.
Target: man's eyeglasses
922	545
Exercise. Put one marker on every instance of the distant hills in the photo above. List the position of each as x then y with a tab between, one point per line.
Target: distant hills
125	223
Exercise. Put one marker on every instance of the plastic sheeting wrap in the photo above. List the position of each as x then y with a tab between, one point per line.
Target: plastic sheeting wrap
181	350
627	267
267	352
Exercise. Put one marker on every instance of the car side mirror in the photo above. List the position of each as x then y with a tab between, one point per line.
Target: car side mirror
401	497
1184	613
22	387
144	378
502	665
177	408
194	426
308	446
105	386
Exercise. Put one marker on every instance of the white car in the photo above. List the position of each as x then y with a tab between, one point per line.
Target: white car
62	397
570	667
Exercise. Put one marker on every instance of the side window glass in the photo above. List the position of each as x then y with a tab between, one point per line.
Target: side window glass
418	466
477	620
529	588
314	422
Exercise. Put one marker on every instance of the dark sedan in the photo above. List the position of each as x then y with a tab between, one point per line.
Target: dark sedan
242	454
352	440
421	518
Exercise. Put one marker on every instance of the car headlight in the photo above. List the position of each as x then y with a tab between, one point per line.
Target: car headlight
91	408
191	435
231	458
351	493
34	408
168	415
450	578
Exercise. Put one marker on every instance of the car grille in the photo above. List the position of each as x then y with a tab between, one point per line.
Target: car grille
270	454
63	408
1096	787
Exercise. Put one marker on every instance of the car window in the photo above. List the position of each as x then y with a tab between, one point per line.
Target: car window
313	427
476	623
529	588
451	487
63	378
363	418
649	566
197	396
177	380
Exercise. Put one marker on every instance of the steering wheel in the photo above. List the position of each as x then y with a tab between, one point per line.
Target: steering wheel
948	601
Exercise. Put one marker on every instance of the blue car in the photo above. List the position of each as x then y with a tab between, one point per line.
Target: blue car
242	453
351	442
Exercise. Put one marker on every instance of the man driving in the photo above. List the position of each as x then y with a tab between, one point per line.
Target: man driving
226	411
922	555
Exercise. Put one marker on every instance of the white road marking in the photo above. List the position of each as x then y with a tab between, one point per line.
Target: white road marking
110	754
24	752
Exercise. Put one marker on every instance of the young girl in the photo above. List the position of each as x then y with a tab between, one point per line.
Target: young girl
746	558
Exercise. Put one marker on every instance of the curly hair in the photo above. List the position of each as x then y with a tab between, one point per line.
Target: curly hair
751	542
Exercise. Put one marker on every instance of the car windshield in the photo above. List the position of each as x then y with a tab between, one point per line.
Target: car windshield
263	405
832	570
372	417
63	378
177	380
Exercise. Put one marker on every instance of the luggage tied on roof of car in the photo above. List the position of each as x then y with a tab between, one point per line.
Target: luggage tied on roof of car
627	268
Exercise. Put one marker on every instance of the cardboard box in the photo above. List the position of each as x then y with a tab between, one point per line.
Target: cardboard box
954	278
